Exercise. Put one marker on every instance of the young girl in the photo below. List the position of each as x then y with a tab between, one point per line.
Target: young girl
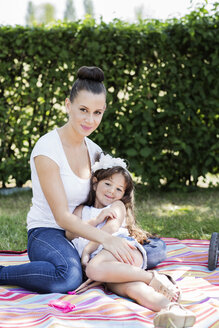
110	208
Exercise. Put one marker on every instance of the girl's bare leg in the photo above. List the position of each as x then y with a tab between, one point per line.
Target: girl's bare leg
104	267
131	281
169	314
141	293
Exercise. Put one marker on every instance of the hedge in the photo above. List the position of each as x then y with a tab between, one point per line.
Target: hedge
163	90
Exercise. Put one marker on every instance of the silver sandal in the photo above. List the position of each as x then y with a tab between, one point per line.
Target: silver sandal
174	316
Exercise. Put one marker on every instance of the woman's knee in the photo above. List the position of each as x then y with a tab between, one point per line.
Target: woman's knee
156	252
73	276
70	280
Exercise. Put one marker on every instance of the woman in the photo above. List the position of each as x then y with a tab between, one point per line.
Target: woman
60	170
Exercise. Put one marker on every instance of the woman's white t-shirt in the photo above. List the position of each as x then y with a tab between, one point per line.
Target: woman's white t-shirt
76	189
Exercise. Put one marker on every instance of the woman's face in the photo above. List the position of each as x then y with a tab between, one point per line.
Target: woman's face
86	112
109	190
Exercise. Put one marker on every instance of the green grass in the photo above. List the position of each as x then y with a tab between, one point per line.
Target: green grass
192	215
182	215
13	212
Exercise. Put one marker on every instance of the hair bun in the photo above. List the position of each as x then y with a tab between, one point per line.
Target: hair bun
91	73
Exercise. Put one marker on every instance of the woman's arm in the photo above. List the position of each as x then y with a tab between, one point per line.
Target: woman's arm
53	189
93	221
78	212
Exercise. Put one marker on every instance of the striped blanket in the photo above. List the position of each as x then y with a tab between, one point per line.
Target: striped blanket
186	262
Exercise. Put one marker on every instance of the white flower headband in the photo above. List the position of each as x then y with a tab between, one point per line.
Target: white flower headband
107	162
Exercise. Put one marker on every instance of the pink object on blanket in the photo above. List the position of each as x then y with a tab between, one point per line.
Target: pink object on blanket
63	306
73	292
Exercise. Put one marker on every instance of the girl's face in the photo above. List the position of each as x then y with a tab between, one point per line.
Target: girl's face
86	112
109	190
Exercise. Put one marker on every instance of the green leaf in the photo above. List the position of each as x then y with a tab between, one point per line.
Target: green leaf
131	152
145	152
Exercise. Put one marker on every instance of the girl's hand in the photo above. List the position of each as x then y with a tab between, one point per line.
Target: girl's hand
85	258
88	250
120	248
105	214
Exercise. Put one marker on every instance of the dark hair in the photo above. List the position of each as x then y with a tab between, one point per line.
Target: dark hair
128	199
106	173
89	79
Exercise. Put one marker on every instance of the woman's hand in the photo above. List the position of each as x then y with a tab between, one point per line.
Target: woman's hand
120	248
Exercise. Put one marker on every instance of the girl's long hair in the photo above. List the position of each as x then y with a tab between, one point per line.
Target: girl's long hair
128	199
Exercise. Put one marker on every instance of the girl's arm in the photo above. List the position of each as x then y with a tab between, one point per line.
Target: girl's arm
104	214
93	221
118	211
111	226
53	189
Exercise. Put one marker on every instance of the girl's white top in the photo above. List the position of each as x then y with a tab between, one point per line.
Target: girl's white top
76	189
90	212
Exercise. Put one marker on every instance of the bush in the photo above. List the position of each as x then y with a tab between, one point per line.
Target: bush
162	82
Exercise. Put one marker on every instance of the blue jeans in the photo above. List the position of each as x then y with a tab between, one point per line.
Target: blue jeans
55	264
156	252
